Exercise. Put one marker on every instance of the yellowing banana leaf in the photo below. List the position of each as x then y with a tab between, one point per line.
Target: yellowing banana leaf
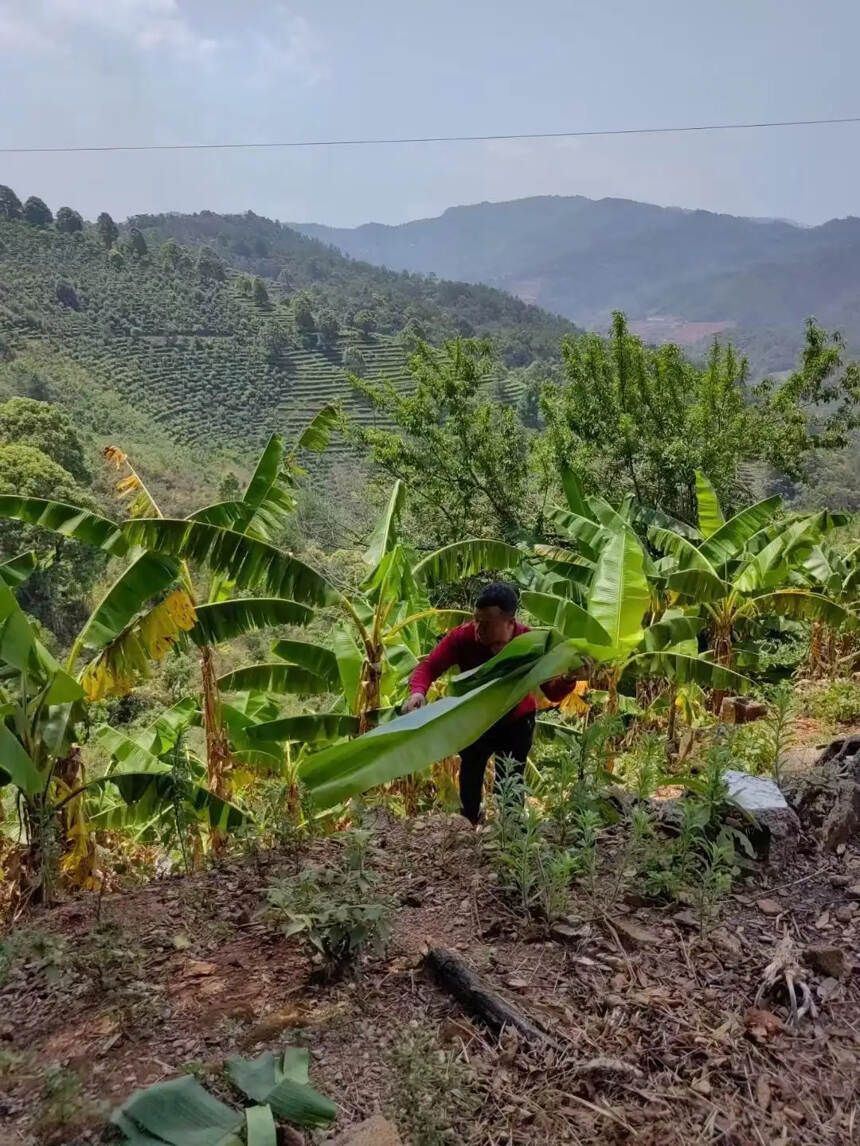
467	558
710	514
619	594
16	570
317	659
416	740
225	620
69	520
181	1113
247	561
274	677
146	577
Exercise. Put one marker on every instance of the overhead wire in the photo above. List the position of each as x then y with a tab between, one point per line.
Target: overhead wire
399	140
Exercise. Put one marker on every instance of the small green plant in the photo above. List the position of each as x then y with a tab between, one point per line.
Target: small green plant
63	1105
50	951
340	910
837	702
433	1091
574	780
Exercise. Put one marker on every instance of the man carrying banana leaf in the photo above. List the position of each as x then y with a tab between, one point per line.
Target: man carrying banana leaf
495	625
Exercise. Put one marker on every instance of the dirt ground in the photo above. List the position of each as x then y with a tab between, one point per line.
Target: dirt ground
657	1037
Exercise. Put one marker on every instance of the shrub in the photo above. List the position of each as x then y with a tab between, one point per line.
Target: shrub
837	702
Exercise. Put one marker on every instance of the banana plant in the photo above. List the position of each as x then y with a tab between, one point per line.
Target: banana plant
836	575
744	568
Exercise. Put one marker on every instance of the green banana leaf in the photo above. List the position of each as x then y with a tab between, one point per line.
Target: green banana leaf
619	594
569	618
260	1129
697	585
683	669
308	729
805	606
412	742
349	663
573	492
274	677
148	792
16	766
384	536
224	620
147	576
726	542
16	570
521	652
467	558
688	555
181	1113
283	1084
589	535
247	561
317	433
17	640
669	631
317	659
266	473
69	520
710	514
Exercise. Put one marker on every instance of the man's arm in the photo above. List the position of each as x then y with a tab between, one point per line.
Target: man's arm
444	656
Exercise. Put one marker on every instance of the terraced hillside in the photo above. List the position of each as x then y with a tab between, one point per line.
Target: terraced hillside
172	343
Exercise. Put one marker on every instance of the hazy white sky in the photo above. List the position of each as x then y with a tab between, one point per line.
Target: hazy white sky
91	72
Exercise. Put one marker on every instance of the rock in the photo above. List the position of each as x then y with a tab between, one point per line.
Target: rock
196	969
777	827
375	1131
844	750
845	912
727	942
843	819
741	710
564	933
827	961
853	892
687	919
769	907
840	880
634	934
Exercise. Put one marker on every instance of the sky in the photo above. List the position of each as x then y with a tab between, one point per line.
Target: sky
105	72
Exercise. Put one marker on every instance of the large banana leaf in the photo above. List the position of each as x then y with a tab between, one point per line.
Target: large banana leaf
521	652
309	729
619	595
260	1129
248	562
17	639
414	741
69	520
570	619
671	631
589	535
319	660
687	555
150	792
265	475
16	570
349	663
466	558
180	1112
16	765
727	541
224	620
317	433
805	606
682	668
384	535
697	585
710	514
283	1083
573	492
147	576
274	678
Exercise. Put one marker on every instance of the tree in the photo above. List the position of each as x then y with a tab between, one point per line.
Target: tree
37	212
10	205
173	256
364	322
69	222
328	328
636	419
302	314
137	243
48	428
107	229
209	266
465	460
259	293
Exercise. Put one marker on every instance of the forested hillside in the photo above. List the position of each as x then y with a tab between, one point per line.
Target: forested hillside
679	275
170	343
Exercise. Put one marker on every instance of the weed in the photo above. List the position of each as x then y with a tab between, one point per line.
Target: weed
837	702
759	747
434	1094
63	1106
339	910
50	951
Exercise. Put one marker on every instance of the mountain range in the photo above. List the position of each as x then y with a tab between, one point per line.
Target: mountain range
678	274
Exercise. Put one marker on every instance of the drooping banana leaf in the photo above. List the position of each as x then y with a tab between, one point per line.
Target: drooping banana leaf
317	433
670	631
710	514
805	606
69	520
181	1112
16	765
148	792
412	742
317	659
247	561
16	570
683	669
274	677
466	558
619	595
146	577
308	729
225	620
697	586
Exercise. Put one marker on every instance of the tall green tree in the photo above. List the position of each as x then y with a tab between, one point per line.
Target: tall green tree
107	229
37	213
69	222
10	205
137	243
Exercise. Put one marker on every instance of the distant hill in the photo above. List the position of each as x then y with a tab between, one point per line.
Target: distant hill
678	274
169	337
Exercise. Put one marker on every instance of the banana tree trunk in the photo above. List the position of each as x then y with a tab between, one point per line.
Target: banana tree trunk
369	689
218	757
723	651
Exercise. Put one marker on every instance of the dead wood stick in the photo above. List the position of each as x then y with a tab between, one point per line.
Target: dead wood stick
459	980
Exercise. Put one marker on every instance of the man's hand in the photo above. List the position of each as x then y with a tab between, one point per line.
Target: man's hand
416	700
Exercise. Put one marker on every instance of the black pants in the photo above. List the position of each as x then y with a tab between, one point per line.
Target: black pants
512	738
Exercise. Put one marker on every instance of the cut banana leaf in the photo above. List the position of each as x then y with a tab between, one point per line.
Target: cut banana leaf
282	1083
260	1129
181	1113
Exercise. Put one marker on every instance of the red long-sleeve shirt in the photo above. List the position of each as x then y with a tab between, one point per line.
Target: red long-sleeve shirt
462	648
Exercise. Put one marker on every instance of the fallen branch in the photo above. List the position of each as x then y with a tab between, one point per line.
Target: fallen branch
459	980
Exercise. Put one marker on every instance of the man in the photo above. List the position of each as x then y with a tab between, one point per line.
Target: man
468	646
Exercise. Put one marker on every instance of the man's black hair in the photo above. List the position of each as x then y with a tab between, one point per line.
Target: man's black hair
501	594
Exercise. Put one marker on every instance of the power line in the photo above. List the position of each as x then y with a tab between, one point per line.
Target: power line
429	138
